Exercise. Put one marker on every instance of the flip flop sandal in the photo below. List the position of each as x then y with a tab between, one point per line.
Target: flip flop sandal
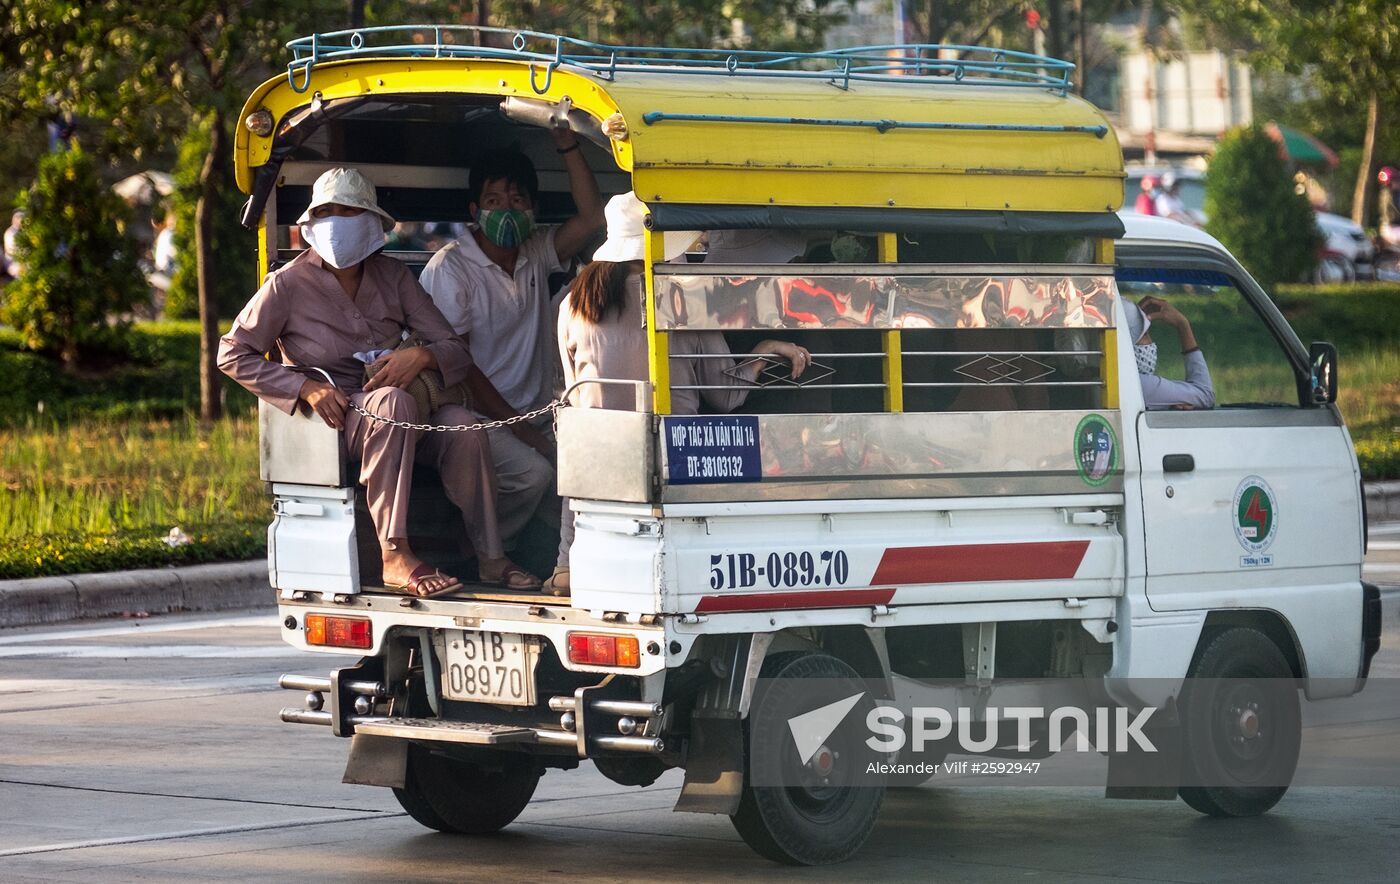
416	578
552	587
509	571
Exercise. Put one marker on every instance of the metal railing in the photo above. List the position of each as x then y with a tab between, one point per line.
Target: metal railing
904	63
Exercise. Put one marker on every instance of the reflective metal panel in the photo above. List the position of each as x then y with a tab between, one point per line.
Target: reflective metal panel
299	448
817	297
928	455
605	455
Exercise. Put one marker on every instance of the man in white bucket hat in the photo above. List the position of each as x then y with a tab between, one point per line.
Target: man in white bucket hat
330	307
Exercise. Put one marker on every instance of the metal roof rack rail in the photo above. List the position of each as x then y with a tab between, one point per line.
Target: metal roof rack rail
931	64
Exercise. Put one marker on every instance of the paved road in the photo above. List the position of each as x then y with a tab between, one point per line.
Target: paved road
151	751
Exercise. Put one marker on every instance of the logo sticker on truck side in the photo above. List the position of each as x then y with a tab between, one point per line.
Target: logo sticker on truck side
1255	514
1095	449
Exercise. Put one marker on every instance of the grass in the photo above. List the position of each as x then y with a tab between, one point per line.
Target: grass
103	494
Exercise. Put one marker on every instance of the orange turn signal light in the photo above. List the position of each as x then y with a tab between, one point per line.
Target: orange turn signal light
601	649
339	632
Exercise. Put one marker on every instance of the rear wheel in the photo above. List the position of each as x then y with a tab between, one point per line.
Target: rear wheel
812	812
1240	724
452	795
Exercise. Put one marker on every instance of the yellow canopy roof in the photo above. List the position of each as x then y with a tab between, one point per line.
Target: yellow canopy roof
752	140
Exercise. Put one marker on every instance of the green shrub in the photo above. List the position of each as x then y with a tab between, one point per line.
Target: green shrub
123	551
81	275
1255	211
156	376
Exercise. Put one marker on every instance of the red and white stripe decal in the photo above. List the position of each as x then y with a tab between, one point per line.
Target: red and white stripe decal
981	562
914	565
778	601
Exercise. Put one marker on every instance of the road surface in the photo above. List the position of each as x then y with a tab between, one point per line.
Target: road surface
151	751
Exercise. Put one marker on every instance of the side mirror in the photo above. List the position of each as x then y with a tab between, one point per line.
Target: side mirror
1322	357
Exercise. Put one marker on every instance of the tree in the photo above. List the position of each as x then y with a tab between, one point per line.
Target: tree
80	272
1353	47
149	70
1256	212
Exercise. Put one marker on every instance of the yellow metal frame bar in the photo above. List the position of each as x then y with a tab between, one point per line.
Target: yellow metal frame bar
658	344
894	357
1103	254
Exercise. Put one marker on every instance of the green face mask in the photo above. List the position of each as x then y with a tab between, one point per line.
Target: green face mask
847	249
507	228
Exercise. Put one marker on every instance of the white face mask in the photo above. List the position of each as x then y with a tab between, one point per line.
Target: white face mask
343	241
1146	355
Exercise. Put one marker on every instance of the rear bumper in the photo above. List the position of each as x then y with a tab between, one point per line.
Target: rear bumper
587	725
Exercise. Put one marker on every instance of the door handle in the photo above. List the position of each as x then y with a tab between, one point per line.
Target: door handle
1178	463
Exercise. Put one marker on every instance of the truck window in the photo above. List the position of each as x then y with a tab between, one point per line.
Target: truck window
1248	366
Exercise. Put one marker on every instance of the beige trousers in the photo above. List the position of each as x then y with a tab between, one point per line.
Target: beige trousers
386	454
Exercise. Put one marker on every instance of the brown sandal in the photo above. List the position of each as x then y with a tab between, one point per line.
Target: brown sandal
509	571
558	582
416	578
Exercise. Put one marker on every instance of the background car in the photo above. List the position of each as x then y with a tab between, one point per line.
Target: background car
1346	254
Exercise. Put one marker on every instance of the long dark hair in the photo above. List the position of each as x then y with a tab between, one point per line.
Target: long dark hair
601	288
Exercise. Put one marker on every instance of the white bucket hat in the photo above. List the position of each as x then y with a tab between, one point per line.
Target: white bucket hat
761	246
626	217
1138	322
345	187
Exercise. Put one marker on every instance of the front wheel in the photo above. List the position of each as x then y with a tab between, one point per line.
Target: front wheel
1240	724
463	797
821	809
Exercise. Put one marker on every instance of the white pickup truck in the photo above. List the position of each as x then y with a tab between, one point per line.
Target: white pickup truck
966	491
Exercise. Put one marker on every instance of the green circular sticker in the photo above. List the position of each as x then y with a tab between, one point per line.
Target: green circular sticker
1256	514
1095	449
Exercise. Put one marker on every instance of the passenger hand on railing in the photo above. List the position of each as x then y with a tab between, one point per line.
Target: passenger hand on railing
326	401
401	367
799	356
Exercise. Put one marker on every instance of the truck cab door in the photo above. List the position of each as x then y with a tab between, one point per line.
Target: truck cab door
1253	503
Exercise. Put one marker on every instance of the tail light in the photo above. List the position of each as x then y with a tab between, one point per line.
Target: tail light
599	649
339	632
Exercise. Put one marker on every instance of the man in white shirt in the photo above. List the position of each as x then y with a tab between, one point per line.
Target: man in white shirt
492	284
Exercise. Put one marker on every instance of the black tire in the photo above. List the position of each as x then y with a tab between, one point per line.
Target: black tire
1240	725
462	797
820	821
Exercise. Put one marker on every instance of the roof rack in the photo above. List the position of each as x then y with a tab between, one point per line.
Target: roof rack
901	62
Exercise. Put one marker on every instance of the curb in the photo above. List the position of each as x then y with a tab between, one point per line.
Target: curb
221	586
1382	501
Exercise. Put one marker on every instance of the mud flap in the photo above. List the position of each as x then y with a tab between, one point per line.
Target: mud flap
714	769
376	761
1138	775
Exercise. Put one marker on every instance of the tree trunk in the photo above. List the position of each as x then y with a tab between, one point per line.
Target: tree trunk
211	404
1365	184
1081	47
1055	29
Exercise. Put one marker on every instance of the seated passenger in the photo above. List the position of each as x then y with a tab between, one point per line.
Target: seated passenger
492	284
1159	393
338	299
602	334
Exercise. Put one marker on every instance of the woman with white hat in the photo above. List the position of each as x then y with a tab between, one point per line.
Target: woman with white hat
331	307
602	334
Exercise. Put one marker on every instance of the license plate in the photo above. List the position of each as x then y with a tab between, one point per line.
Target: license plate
489	667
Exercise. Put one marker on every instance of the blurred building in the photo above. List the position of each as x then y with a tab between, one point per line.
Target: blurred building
1169	100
